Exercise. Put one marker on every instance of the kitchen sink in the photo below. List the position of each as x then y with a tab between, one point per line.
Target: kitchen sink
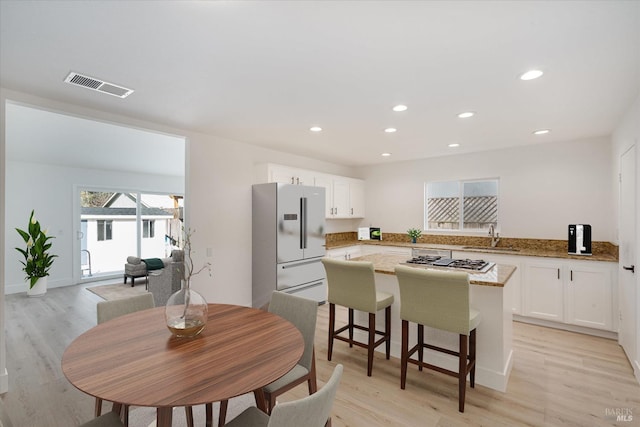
489	248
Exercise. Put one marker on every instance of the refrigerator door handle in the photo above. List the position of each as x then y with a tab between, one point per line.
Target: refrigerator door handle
297	264
303	223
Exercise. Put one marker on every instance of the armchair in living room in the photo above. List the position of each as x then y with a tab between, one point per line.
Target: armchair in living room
134	267
166	281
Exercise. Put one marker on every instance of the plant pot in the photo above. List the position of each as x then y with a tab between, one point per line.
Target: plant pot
413	240
39	288
186	313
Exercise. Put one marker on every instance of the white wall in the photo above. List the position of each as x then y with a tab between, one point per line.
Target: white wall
52	191
217	200
543	188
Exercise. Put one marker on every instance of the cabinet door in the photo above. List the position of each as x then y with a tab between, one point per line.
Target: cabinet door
356	198
345	253
396	250
544	291
341	204
326	182
589	296
289	175
336	253
304	177
281	174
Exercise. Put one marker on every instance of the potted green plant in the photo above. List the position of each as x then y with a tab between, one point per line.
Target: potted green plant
414	233
37	259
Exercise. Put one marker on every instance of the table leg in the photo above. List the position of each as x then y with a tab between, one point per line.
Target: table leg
117	408
261	402
164	417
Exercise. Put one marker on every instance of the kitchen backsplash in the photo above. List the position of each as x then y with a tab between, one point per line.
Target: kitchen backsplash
439	239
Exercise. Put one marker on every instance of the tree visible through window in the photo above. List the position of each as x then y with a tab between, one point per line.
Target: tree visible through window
461	205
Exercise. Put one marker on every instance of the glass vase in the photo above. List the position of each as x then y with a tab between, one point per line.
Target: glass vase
186	313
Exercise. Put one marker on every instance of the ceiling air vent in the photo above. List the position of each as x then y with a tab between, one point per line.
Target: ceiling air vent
98	85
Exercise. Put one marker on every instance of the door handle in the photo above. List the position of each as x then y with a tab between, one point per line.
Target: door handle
631	269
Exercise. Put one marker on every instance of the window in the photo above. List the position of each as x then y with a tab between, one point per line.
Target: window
461	205
105	228
148	228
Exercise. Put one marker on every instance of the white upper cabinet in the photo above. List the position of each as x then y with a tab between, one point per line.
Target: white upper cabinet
287	175
356	197
345	196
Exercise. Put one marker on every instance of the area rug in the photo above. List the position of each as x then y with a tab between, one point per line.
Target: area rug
145	417
117	291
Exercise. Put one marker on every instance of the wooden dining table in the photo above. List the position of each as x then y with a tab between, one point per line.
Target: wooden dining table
134	360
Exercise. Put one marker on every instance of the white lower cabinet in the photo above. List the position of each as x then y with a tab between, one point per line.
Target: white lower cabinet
396	250
570	291
544	290
589	294
345	253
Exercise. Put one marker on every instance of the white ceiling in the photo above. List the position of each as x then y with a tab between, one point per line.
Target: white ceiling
264	72
40	136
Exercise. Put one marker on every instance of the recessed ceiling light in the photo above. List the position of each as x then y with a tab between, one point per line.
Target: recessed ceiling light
386	154
466	114
390	130
454	145
400	108
531	74
316	129
541	131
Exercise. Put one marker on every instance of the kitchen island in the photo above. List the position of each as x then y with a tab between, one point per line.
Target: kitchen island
490	294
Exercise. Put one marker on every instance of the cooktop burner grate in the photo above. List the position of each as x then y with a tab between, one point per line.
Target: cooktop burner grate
464	264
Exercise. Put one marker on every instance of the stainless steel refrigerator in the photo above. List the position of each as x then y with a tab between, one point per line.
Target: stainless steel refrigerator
288	241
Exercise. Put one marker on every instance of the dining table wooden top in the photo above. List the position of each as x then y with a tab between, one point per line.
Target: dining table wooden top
135	360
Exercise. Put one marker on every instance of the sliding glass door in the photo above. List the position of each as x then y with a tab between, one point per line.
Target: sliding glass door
116	224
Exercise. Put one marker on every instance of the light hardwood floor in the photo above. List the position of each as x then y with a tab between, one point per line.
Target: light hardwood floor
559	378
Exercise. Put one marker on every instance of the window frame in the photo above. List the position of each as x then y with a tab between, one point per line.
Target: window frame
461	223
104	230
148	228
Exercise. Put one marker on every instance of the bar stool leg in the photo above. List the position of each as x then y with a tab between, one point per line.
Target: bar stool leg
332	323
387	329
462	372
404	354
472	357
420	345
351	327
372	340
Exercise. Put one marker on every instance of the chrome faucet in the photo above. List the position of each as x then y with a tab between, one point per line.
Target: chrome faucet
495	237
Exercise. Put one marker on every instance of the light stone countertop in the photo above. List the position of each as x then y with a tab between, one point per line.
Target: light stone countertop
385	264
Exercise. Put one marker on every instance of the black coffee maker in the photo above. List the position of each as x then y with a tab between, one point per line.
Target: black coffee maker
579	239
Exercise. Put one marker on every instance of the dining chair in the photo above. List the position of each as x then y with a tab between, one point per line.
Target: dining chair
438	299
302	312
107	310
352	284
311	411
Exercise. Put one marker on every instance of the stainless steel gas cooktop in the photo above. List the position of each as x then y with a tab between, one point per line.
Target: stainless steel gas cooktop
471	265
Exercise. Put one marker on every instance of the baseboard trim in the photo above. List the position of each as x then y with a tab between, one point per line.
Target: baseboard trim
566	327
